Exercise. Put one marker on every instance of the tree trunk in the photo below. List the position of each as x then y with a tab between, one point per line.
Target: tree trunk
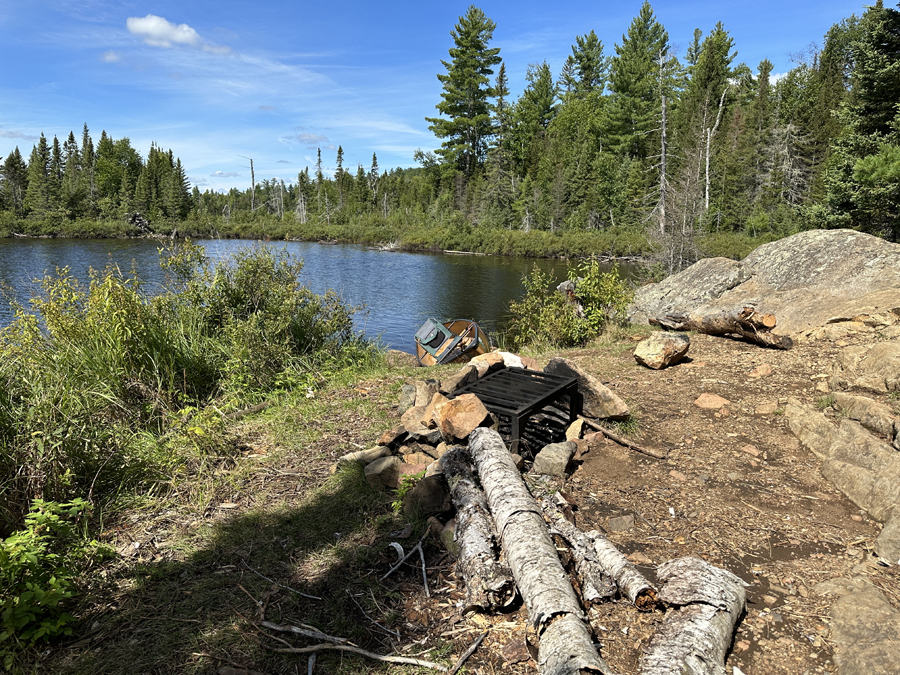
488	582
695	638
565	646
749	324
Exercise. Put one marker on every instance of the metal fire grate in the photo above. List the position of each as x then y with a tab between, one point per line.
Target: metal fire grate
517	394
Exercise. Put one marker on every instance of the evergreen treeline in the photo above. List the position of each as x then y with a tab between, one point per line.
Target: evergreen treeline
640	139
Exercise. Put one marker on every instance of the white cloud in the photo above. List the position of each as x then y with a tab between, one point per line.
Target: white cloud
111	56
158	32
198	182
16	134
268	108
310	141
224	174
282	161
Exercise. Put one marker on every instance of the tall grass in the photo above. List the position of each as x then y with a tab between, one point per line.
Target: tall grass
93	374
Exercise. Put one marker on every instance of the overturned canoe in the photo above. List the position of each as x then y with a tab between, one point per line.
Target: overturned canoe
450	342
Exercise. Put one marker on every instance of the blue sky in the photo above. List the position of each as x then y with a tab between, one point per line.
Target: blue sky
221	81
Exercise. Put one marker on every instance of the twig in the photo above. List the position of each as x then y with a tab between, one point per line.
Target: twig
259	606
361	652
272	581
424	573
386	630
311	664
404	558
466	654
237	414
314	634
624	441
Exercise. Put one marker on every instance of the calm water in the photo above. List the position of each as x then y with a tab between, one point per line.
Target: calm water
397	291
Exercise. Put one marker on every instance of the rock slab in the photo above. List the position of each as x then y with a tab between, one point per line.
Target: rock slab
599	401
554	458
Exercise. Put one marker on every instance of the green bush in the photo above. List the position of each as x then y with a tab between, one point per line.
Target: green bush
38	565
546	317
94	372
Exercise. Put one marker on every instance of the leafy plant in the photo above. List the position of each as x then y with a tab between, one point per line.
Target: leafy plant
38	565
407	483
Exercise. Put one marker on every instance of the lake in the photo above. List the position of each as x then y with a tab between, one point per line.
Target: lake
396	291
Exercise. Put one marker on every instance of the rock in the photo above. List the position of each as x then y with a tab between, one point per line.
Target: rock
392	436
766	408
397	359
411	470
661	350
384	473
433	437
761	370
511	360
865	629
863	467
466	375
414	421
639	558
599	401
872	415
487	363
804	280
589	443
677	475
362	456
428	415
460	416
429	497
620	523
573	432
554	459
518	460
870	367
441	449
711	401
750	450
425	390
418	458
407	398
887	544
434	469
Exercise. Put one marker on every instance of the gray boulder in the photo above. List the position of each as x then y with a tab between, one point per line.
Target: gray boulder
599	401
554	459
407	398
804	280
869	367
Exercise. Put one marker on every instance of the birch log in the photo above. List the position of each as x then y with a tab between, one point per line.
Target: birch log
749	324
695	637
488	581
565	644
602	559
596	584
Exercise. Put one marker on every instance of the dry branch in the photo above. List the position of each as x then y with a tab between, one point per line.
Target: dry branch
488	581
656	454
466	654
596	584
565	647
746	322
695	638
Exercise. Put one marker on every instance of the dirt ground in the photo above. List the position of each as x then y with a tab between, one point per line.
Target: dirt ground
736	489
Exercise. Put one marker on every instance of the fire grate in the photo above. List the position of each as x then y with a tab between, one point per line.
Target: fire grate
517	394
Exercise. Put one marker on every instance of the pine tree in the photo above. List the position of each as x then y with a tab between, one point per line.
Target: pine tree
37	197
464	106
339	176
54	177
373	178
15	182
635	83
585	70
88	161
72	192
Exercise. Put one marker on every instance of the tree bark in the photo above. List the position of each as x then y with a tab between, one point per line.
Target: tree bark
565	643
695	638
746	322
488	581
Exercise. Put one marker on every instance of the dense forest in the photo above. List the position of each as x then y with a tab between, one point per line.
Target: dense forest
637	140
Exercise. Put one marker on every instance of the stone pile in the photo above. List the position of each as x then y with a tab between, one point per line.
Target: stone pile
431	423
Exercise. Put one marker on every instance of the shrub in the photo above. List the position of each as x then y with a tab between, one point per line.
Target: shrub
38	565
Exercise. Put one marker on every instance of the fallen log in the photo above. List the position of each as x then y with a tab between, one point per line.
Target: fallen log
488	581
656	454
746	322
596	584
565	644
695	637
604	559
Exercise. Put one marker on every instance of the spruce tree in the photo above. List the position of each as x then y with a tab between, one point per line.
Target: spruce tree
585	70
465	109
15	182
37	197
